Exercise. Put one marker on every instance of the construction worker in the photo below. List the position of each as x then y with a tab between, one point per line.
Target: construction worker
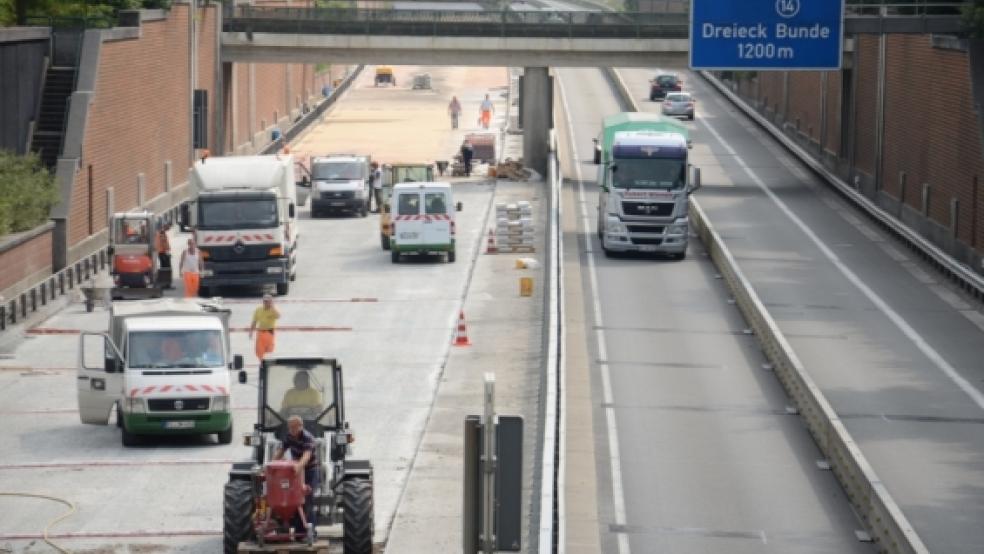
376	178
191	267
164	254
467	153
486	110
454	110
301	445
303	395
264	322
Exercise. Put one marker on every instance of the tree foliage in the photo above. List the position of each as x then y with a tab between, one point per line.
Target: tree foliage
973	18
14	11
27	192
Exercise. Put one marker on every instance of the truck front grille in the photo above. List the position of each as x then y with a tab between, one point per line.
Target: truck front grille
648	209
172	404
646	229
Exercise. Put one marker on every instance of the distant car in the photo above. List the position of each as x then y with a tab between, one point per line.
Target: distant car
663	84
679	104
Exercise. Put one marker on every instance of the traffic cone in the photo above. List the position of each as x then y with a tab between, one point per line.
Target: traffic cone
492	248
461	335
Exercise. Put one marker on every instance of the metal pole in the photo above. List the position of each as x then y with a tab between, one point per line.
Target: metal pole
488	467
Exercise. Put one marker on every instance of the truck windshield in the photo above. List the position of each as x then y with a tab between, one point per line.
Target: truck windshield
174	349
338	171
650	173
255	213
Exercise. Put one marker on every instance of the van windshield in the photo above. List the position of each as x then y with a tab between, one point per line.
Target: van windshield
650	173
174	349
338	171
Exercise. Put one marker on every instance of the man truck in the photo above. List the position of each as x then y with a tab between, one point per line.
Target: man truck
165	365
244	214
645	181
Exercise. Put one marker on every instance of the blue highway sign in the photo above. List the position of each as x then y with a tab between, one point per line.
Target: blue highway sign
766	34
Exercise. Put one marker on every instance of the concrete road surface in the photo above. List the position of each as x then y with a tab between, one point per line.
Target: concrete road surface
389	325
692	450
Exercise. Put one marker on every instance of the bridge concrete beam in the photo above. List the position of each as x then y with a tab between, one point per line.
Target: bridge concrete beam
454	51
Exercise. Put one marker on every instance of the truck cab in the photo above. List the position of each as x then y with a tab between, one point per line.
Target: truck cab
244	215
340	184
165	365
645	181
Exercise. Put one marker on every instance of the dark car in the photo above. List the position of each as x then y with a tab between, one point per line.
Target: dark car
663	84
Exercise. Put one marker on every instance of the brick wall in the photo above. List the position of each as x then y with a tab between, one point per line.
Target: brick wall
832	141
866	73
804	103
771	91
932	136
25	258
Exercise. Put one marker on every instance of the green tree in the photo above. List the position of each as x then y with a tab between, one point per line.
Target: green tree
27	192
973	18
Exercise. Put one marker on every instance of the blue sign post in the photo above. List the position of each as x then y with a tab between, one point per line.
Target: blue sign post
766	34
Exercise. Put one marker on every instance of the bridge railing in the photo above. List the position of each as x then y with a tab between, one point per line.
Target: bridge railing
348	21
902	8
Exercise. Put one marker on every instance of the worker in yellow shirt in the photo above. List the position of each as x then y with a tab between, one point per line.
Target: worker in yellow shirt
303	395
264	323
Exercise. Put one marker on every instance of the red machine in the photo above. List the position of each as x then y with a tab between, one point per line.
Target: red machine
136	268
284	499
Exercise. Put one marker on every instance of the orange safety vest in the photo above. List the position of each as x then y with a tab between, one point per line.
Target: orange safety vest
163	245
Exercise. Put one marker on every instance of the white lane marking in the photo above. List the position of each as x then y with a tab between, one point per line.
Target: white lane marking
872	296
618	496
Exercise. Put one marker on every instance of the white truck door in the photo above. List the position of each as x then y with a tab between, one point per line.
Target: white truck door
437	220
99	380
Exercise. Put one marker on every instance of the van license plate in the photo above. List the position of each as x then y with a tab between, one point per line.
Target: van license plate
338	203
179	424
409	235
647	248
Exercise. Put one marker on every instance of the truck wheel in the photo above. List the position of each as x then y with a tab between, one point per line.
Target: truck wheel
358	516
679	255
283	288
89	305
395	256
225	437
384	241
364	212
451	256
204	292
237	514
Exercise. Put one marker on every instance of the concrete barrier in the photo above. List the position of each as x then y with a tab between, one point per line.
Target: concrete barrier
887	525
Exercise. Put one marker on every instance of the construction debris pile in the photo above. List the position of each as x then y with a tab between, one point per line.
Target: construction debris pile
512	169
514	227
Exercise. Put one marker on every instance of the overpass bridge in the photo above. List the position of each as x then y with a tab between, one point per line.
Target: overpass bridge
533	39
513	38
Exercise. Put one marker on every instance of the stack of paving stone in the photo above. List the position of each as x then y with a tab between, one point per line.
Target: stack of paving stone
514	227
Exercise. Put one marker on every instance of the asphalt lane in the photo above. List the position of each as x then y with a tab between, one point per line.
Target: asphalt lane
893	346
707	457
389	325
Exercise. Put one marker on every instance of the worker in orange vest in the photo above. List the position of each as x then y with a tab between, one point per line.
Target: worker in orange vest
264	323
191	268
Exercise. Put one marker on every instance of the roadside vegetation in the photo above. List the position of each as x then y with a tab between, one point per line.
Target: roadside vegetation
27	192
13	12
973	17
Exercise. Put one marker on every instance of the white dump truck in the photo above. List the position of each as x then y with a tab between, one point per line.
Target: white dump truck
244	214
165	365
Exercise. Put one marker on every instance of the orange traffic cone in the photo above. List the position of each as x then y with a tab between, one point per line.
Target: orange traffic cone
491	248
461	335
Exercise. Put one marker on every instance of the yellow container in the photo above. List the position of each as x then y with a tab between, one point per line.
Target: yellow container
526	286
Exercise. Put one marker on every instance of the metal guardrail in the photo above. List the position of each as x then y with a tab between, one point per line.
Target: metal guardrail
58	284
533	24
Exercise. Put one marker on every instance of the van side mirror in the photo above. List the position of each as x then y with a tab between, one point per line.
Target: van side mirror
597	151
237	362
111	364
459	206
696	183
290	210
242	377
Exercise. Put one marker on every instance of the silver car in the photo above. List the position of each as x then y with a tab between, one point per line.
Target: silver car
679	104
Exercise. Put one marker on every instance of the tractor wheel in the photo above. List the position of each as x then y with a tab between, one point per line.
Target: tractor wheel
225	437
358	510
237	514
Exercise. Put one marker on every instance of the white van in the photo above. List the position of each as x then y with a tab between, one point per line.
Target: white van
423	220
